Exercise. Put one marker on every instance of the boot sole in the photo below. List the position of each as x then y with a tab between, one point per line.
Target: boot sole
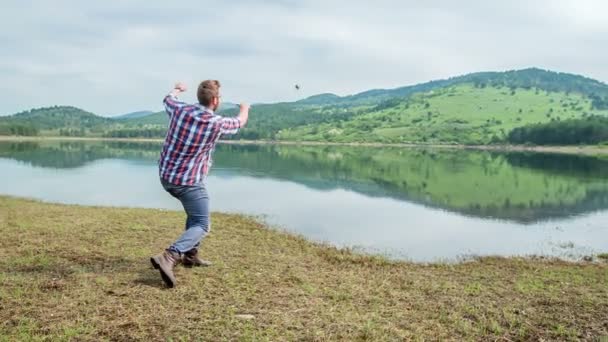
163	275
196	265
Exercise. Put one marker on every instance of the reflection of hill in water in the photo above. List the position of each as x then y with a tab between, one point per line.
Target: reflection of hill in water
481	184
574	165
522	187
72	154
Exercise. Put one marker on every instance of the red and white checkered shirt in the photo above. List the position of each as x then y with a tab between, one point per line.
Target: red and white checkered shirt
190	141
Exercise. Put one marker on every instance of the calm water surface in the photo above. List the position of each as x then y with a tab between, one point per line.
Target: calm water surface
415	204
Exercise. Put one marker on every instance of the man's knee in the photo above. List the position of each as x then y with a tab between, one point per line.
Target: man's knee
201	221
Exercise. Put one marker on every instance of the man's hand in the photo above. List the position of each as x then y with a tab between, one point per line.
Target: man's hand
244	107
181	86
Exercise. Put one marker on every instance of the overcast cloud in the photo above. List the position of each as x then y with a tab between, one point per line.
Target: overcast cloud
113	57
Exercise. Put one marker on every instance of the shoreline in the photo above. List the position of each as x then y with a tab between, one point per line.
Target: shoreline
589	150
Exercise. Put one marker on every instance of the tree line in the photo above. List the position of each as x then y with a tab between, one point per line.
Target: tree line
589	130
18	129
137	133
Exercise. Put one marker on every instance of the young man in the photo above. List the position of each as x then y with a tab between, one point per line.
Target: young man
184	164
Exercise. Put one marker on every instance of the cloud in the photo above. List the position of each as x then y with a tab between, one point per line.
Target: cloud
116	57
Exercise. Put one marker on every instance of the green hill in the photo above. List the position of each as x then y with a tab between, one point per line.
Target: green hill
456	114
55	120
133	115
157	118
56	117
526	78
478	108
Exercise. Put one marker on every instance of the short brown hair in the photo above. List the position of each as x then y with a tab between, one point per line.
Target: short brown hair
207	90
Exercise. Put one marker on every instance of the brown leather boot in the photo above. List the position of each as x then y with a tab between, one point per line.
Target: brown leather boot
191	259
165	263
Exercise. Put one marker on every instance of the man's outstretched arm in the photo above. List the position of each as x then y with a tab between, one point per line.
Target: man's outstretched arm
171	102
232	125
243	114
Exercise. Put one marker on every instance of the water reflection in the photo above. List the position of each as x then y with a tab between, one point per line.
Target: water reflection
520	187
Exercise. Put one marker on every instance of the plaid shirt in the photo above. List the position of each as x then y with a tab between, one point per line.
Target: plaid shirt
190	141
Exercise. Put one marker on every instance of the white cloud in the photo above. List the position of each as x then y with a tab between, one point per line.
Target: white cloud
114	57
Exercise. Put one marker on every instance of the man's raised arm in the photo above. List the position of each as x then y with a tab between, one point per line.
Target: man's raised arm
243	114
171	102
232	125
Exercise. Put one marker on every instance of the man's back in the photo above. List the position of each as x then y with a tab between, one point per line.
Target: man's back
193	132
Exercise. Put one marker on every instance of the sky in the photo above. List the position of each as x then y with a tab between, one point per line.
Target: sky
115	57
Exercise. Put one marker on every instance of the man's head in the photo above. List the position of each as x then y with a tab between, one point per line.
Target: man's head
208	94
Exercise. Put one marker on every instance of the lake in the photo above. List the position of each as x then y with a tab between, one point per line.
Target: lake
406	203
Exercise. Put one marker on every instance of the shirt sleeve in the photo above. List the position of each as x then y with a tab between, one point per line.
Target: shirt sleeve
229	125
172	104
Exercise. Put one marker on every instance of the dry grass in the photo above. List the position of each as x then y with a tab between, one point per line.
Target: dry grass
82	273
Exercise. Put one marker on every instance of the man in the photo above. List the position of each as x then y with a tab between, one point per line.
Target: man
184	164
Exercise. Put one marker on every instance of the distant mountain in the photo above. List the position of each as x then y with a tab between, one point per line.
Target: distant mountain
134	115
321	99
525	78
457	114
56	117
477	108
157	118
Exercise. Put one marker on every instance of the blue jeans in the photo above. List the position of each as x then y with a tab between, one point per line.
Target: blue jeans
195	201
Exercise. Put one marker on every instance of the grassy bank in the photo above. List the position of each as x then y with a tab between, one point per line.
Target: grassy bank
591	150
82	272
